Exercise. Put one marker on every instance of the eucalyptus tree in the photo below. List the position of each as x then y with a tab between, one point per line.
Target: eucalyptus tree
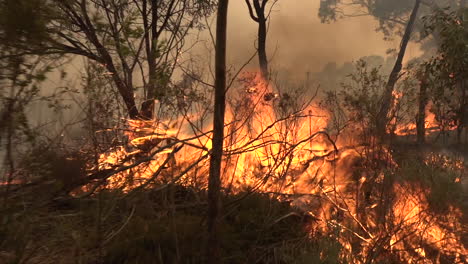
396	17
214	180
138	42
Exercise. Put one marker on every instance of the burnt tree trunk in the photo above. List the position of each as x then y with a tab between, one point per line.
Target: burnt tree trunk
214	181
387	97
422	104
261	18
262	56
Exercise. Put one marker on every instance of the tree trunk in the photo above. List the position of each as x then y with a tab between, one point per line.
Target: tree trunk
151	40
147	107
387	97
214	181
125	91
262	56
421	116
261	18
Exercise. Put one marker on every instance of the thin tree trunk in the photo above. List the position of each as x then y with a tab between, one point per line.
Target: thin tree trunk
421	117
261	18
387	98
262	56
214	181
147	107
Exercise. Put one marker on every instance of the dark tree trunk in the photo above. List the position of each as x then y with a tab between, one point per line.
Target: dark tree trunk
421	116
127	95
147	107
261	18
214	181
387	97
262	56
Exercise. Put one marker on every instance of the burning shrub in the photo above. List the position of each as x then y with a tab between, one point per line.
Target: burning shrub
353	196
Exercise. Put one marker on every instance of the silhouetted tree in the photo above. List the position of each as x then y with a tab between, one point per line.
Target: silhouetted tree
214	181
260	14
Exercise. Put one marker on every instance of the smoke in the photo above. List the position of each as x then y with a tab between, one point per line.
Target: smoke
298	42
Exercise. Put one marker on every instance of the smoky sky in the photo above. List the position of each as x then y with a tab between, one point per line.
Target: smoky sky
298	42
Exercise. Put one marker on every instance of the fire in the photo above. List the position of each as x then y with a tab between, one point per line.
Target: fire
430	124
290	156
412	215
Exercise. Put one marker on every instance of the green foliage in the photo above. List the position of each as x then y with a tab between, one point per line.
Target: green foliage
453	38
447	68
357	103
124	37
359	97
